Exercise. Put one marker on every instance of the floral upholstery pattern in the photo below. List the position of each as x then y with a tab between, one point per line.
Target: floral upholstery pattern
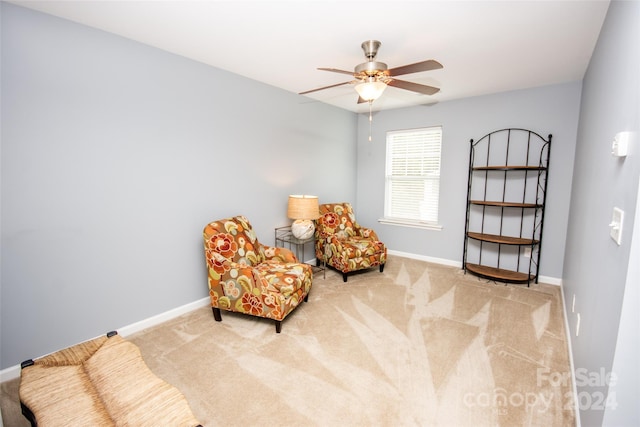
344	244
248	277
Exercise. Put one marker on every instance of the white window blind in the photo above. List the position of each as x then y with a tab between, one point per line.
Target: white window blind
413	175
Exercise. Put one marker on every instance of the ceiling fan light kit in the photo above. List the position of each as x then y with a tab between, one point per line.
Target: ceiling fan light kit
370	90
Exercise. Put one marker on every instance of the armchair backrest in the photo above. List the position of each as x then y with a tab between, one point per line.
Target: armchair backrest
234	239
337	219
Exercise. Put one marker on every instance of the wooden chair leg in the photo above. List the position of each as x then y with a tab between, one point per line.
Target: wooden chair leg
278	326
216	314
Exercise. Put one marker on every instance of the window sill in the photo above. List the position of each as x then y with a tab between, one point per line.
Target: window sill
409	223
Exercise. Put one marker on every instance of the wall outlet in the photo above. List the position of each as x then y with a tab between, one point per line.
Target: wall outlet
527	252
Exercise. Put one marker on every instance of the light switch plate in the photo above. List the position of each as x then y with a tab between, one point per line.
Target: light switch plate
620	144
616	225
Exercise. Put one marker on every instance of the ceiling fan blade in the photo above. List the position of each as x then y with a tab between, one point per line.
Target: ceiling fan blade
413	87
322	88
361	100
335	70
427	65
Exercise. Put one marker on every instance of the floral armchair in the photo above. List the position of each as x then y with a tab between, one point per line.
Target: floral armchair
248	277
345	245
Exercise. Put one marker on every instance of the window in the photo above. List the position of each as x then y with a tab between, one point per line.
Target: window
412	178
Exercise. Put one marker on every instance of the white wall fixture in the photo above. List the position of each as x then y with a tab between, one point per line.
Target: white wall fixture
620	144
616	225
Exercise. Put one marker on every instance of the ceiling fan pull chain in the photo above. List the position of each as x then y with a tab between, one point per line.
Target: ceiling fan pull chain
370	119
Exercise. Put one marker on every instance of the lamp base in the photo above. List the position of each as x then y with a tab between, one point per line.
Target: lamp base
302	229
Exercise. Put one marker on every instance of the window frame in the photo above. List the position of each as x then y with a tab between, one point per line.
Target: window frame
416	222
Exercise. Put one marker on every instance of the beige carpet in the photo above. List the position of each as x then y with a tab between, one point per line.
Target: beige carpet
418	345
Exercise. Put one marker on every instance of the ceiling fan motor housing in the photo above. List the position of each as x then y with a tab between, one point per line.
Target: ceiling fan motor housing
370	68
370	48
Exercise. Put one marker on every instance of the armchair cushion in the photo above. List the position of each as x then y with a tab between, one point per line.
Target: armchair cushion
248	277
343	243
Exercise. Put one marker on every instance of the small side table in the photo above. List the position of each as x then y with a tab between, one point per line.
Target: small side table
285	238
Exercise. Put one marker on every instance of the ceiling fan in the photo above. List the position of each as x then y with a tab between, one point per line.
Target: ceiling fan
372	77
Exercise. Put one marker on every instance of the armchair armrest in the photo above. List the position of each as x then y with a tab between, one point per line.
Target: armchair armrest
368	233
279	254
217	264
237	289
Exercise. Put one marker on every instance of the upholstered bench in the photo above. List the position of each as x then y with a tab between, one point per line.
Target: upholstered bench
101	382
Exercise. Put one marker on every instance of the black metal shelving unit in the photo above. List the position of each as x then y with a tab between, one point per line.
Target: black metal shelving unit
506	200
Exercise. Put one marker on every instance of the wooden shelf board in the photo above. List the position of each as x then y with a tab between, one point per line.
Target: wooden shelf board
509	168
507	240
499	274
505	204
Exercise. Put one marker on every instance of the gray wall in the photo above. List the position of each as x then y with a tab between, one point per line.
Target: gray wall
596	268
115	155
547	110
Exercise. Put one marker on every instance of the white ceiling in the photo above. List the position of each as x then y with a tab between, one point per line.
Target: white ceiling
484	46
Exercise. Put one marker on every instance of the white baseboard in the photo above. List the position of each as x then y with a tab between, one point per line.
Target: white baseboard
163	317
14	371
576	401
550	280
442	261
10	373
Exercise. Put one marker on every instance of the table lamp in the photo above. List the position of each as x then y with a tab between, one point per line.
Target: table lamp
303	209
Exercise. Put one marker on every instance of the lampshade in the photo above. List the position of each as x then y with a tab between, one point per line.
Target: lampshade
303	207
370	90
